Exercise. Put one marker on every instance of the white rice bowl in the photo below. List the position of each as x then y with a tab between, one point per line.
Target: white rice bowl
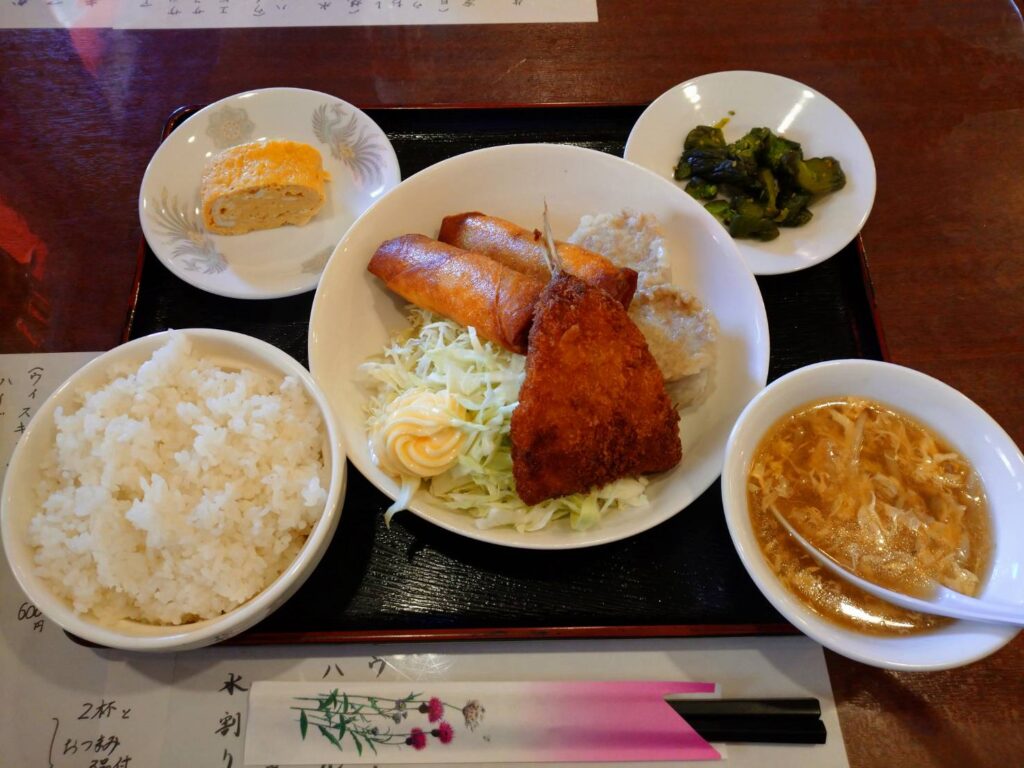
174	489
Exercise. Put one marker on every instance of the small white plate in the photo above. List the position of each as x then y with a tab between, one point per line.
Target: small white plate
274	262
789	109
354	314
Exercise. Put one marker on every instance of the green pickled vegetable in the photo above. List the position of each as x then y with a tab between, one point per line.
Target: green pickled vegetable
682	171
704	137
716	166
820	175
781	155
756	184
720	210
753	227
748	150
770	192
701	189
798	219
745	206
752	144
790	205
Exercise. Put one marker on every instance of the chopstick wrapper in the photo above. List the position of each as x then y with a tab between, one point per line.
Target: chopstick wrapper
434	722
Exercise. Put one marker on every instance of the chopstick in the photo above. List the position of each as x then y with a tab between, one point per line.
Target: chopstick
766	721
804	708
751	730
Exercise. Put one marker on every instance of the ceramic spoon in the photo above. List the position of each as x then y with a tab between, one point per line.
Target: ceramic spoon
943	601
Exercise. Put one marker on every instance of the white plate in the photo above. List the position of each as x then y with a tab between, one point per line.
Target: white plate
354	314
273	262
971	432
789	109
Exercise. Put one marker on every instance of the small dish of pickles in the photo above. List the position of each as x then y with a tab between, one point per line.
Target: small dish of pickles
785	171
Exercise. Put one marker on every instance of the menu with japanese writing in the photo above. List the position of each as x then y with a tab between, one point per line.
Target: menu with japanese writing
25	383
207	14
66	705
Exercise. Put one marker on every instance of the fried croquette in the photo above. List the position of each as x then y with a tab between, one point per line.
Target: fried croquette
593	406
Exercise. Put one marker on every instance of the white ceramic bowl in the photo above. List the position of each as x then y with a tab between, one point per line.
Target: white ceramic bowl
354	314
19	503
790	109
950	414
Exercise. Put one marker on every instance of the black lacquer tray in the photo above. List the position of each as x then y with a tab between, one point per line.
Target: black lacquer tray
416	581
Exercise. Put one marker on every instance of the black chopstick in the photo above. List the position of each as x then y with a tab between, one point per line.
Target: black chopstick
748	707
782	730
765	721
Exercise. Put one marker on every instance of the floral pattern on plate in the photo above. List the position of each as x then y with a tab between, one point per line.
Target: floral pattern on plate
229	126
191	247
350	142
316	264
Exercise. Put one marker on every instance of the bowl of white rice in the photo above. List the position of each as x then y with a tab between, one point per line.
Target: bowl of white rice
174	491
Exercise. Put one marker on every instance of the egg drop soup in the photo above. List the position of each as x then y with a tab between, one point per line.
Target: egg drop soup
881	495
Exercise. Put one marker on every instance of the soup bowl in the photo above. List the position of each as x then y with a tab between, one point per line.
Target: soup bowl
953	417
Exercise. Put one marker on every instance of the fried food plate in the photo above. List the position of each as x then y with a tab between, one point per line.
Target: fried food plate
354	314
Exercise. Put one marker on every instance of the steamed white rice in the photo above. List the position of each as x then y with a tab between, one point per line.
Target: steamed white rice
179	490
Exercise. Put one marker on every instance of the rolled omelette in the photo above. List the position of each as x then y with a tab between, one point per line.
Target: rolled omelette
524	251
262	185
466	287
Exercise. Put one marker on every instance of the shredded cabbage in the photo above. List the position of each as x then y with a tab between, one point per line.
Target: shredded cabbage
437	354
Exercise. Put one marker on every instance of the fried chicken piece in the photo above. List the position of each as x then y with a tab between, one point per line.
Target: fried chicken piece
627	239
593	406
681	334
680	331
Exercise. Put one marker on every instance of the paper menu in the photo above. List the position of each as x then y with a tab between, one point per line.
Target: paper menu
25	383
754	667
64	705
58	14
212	14
189	710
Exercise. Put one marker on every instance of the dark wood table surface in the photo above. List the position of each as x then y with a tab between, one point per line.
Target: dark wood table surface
937	88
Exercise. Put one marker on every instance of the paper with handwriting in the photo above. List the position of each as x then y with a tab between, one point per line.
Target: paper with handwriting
25	382
65	705
213	14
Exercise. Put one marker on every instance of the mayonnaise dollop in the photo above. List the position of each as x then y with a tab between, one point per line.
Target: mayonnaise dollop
417	434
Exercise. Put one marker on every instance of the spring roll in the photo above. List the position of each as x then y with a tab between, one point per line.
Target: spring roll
523	250
466	287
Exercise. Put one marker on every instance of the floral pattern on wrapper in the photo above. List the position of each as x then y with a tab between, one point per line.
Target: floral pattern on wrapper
444	732
370	721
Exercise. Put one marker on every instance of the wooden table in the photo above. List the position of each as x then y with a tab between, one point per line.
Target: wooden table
937	88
